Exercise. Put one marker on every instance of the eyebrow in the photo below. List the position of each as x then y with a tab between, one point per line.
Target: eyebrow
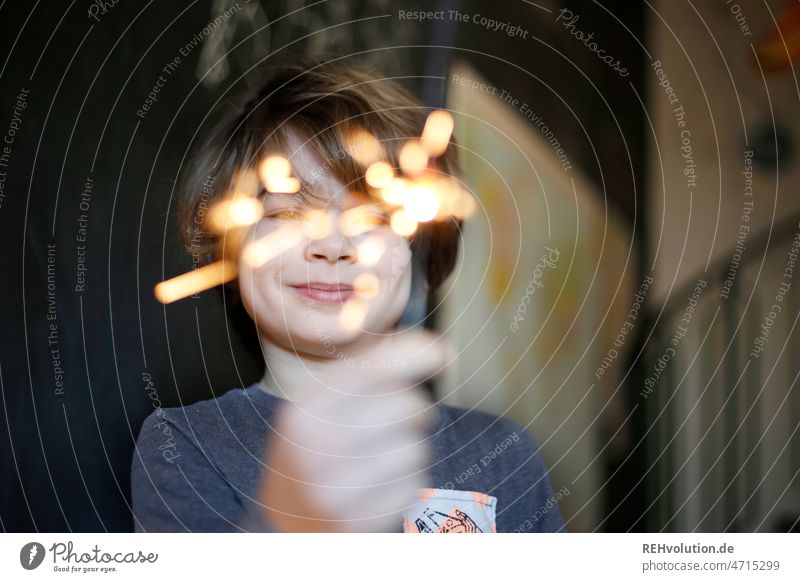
307	191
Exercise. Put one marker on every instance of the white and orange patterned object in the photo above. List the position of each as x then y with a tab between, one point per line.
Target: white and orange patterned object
451	511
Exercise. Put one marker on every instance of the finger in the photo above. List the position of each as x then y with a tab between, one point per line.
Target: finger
402	404
368	503
391	500
398	463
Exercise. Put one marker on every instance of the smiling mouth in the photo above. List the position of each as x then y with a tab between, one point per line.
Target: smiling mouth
332	293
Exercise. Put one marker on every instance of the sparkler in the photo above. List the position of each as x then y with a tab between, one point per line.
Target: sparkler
195	281
418	195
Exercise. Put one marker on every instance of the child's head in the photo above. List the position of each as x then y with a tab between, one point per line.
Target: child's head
311	113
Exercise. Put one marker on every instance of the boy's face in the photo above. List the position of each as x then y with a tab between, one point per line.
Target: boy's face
303	319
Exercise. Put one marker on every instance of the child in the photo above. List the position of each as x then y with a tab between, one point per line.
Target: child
337	436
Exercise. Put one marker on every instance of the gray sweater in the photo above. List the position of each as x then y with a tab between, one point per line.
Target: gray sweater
195	468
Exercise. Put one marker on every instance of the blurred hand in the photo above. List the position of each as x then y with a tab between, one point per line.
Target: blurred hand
349	455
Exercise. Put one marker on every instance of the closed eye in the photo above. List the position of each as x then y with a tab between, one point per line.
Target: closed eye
373	215
287	214
379	219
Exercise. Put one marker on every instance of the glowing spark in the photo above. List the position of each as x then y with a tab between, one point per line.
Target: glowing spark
394	192
283	185
454	200
195	281
275	167
317	224
353	314
359	219
437	132
235	213
371	250
264	249
403	224
379	174
421	202
463	205
275	172
363	147
413	158
367	285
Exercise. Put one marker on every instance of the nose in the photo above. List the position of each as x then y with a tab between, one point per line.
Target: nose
332	248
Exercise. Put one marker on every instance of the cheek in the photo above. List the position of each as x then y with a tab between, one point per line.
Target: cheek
248	289
266	300
260	286
395	270
264	285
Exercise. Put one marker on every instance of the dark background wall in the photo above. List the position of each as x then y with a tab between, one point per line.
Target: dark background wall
86	352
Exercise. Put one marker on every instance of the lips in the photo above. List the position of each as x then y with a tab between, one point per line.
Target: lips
334	293
319	285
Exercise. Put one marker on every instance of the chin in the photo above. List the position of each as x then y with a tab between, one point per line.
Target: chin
322	331
327	338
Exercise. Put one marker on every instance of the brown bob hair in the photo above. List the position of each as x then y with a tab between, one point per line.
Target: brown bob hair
323	101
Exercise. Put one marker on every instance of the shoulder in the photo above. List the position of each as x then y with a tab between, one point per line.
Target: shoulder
211	417
469	434
186	472
479	425
222	436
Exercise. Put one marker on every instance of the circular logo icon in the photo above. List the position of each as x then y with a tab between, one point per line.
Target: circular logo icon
31	555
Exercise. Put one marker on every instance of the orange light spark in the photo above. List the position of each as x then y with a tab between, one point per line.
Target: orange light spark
363	147
394	192
421	202
454	200
282	185
195	281
229	214
317	224
367	285
359	219
275	173
275	167
413	158
353	313
403	224
371	250
436	133
264	249
379	174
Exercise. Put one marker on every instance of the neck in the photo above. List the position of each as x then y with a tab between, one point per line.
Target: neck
290	373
